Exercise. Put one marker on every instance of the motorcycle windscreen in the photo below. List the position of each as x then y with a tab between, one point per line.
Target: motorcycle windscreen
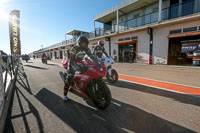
96	61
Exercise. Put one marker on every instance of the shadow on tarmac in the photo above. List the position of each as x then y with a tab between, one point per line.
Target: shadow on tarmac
9	126
118	117
36	67
23	81
52	64
187	99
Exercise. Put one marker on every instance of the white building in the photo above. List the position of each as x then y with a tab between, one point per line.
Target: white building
175	23
126	31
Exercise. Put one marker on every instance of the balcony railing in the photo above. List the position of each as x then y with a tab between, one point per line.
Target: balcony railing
139	21
179	10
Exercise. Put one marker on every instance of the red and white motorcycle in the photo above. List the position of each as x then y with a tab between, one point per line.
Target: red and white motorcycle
89	81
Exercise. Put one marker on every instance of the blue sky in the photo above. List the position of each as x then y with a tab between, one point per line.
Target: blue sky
44	22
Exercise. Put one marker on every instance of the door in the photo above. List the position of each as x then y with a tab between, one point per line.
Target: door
127	53
61	55
55	53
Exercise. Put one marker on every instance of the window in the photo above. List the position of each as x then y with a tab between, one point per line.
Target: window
128	38
134	38
190	29
187	7
121	39
136	16
175	31
155	9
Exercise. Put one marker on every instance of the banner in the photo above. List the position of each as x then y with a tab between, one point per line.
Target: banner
189	48
14	28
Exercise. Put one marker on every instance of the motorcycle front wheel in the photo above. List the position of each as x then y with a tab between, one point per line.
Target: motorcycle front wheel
102	96
113	77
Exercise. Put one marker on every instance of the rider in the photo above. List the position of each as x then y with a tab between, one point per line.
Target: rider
77	54
43	55
99	49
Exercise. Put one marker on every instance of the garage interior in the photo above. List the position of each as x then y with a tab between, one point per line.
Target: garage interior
181	48
127	51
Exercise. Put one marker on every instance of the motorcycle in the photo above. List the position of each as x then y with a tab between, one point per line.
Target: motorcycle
112	75
44	60
88	81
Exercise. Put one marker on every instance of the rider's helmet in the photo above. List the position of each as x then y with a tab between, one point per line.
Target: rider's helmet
83	42
101	43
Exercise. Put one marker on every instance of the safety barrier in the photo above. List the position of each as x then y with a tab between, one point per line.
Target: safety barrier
8	73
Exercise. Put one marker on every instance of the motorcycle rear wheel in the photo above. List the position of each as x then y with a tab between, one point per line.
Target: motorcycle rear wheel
102	97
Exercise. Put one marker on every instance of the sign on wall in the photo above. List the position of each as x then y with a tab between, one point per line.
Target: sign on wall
14	29
189	48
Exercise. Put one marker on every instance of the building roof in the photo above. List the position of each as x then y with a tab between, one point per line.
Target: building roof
74	32
124	8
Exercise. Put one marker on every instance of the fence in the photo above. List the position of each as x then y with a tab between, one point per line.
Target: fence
8	71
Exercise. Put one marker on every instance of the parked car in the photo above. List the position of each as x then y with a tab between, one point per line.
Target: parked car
196	53
25	57
196	59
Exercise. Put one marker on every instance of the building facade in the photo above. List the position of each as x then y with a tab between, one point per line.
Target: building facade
144	31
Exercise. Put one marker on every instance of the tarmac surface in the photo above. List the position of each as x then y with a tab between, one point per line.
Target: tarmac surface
38	106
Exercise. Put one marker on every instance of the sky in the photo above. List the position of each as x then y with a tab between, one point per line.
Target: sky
44	22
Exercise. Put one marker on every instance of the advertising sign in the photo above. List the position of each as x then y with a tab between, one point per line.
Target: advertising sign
14	29
189	48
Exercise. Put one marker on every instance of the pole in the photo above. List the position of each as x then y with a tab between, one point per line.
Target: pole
160	11
150	32
117	20
94	29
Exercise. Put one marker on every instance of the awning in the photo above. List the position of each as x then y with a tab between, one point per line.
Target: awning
185	34
126	42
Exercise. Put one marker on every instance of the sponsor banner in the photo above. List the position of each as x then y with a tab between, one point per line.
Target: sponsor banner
189	48
14	28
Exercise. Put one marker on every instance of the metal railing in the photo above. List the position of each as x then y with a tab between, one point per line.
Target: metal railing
179	10
8	66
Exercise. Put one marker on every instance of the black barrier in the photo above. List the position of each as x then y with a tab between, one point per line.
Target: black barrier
8	72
